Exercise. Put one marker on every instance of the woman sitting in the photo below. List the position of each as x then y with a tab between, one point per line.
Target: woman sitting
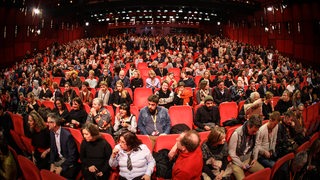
77	115
120	95
165	95
152	81
134	159
40	139
124	120
204	91
60	109
94	151
215	155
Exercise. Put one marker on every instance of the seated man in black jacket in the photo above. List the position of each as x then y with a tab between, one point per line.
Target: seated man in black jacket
207	116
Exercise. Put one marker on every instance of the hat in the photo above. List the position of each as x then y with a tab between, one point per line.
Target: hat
208	98
181	83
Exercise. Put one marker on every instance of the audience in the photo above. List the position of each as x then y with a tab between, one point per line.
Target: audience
219	56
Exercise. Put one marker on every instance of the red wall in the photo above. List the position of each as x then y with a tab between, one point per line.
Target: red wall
13	47
303	45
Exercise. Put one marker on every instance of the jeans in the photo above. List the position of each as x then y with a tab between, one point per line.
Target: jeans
266	162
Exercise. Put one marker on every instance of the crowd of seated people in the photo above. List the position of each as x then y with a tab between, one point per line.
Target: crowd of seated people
91	80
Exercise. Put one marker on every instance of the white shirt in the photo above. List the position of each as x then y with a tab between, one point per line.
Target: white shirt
57	138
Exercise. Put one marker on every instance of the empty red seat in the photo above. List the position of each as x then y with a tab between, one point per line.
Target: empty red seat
181	115
141	97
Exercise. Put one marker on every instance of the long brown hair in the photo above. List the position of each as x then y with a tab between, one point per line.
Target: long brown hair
38	121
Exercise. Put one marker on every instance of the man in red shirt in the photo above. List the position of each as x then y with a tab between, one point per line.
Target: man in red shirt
189	162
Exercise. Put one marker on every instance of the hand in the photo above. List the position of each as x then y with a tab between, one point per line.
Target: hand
124	124
93	111
218	177
58	170
207	128
74	121
253	162
44	154
34	159
92	169
146	177
115	152
99	174
267	154
52	167
245	166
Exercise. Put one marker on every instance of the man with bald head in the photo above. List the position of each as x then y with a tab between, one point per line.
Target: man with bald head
189	162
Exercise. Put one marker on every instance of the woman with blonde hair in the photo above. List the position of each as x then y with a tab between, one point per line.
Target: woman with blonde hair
152	81
136	80
119	95
40	139
206	76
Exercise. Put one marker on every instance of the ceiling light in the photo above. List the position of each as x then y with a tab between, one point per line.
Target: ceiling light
270	8
218	23
87	23
36	10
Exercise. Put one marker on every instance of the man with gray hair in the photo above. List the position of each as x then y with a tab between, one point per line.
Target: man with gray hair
100	115
63	149
253	105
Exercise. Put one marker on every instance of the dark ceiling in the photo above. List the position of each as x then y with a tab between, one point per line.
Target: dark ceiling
82	10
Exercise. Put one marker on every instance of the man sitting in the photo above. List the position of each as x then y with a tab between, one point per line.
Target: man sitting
207	116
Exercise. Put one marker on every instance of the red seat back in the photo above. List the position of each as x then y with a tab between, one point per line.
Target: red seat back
17	140
76	133
280	162
48	104
146	140
28	144
181	115
109	139
228	110
165	142
263	174
141	97
29	170
48	175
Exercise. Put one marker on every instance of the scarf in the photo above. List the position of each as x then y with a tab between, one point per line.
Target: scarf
185	95
242	142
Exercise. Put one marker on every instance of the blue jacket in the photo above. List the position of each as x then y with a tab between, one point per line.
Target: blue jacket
146	124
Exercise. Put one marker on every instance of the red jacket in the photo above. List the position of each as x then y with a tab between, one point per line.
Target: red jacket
188	166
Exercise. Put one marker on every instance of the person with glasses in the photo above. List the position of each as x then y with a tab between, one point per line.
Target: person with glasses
133	158
207	116
63	149
215	155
